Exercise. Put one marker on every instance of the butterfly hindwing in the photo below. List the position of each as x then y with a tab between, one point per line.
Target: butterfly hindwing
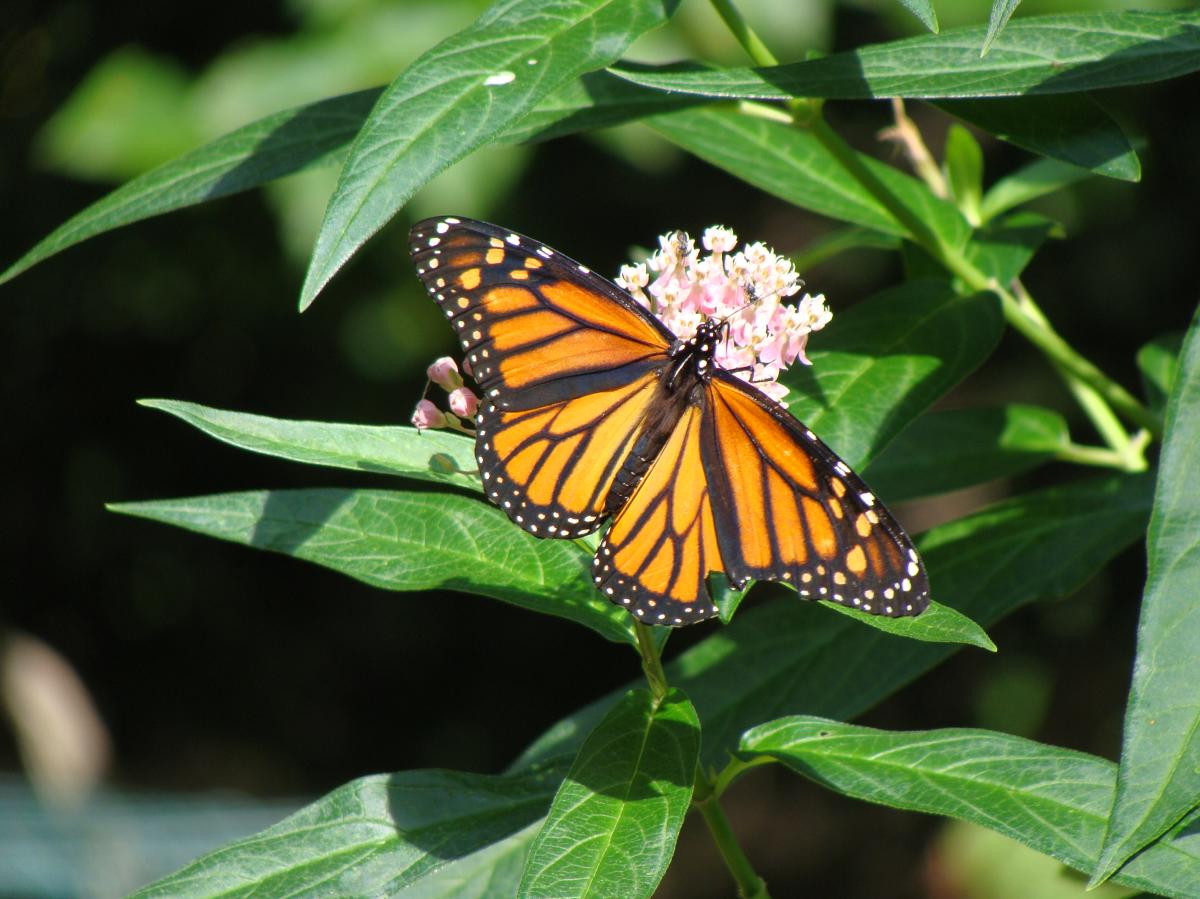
663	542
788	509
566	362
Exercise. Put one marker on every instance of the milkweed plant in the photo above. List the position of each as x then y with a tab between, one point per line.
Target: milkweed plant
593	807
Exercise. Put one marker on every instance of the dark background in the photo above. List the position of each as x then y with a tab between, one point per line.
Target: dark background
216	667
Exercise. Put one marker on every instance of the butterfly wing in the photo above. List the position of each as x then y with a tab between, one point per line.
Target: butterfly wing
568	365
663	542
786	508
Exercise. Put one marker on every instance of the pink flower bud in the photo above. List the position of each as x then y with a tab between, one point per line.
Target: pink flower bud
444	373
463	403
427	415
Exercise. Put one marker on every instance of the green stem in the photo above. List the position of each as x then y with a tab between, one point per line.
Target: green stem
749	884
854	164
1046	339
651	660
1105	457
1029	323
745	35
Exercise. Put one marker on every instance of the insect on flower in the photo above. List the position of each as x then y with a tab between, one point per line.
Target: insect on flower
656	403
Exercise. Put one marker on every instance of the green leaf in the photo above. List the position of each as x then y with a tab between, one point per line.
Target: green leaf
1053	800
494	870
592	101
405	541
463	94
372	837
1045	176
1036	55
1002	248
956	448
1002	11
840	241
885	360
792	164
964	171
612	826
270	148
1158	362
439	456
924	11
314	134
937	624
1074	129
1159	778
790	656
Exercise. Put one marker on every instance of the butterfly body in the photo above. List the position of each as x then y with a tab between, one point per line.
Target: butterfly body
592	409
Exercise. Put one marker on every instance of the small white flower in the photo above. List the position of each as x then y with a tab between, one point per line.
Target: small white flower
719	239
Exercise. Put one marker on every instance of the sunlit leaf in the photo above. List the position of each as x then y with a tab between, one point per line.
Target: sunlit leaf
612	827
405	541
1054	800
1035	55
374	837
1159	778
461	94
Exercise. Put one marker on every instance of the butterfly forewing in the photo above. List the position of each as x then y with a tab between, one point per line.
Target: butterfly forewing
567	364
788	509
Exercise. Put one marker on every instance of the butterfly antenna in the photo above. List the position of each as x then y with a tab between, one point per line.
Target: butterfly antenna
755	297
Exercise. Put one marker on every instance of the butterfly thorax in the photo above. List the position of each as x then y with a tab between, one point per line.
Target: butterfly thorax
689	367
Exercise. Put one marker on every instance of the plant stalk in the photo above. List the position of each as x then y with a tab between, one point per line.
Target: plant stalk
744	34
749	884
651	661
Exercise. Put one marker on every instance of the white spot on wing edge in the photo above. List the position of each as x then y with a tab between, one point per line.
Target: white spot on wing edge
505	77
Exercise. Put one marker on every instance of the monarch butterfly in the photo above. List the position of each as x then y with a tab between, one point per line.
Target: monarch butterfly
593	409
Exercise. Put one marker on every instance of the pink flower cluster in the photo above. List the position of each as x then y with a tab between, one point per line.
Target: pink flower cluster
745	288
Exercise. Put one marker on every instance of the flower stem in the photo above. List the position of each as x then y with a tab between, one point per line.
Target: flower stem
1108	458
749	884
905	133
651	660
745	35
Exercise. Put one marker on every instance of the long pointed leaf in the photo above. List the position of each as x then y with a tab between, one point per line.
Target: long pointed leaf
1002	11
372	837
793	165
295	139
612	827
886	359
461	95
1054	800
955	448
405	541
1036	55
274	146
1074	129
1159	778
439	456
924	11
